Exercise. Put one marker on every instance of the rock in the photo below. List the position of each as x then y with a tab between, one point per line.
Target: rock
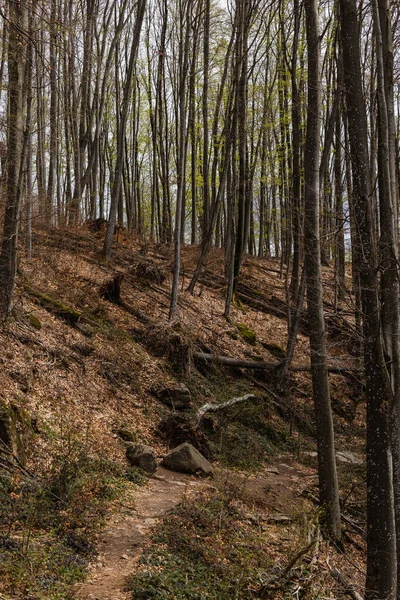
279	519
177	397
142	456
343	456
15	429
272	470
186	459
349	457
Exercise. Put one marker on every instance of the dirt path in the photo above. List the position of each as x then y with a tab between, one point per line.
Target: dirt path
277	487
122	540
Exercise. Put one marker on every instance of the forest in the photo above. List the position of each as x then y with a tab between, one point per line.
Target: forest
216	134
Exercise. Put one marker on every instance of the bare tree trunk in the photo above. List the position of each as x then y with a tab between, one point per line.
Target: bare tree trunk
328	485
381	557
15	127
389	246
185	16
117	180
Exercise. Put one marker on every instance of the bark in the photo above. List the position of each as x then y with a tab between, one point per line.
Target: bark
328	485
182	154
381	559
389	247
15	128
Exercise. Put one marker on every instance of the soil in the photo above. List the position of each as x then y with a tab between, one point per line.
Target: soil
126	531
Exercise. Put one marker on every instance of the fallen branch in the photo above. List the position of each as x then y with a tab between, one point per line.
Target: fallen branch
260	364
298	556
355	526
348	587
216	407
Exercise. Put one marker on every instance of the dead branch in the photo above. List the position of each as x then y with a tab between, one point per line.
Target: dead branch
216	407
346	585
261	365
298	556
235	362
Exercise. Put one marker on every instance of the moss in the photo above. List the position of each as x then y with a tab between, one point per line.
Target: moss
55	306
275	350
233	335
34	321
247	334
126	435
63	311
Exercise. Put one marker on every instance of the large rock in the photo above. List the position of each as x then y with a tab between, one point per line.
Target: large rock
175	396
186	459
142	456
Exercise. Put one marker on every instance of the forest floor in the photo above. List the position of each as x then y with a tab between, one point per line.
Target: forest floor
121	543
82	369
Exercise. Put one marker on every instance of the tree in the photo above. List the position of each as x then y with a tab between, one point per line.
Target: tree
17	48
117	179
381	556
328	484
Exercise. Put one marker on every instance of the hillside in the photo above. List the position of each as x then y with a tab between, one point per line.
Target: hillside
82	373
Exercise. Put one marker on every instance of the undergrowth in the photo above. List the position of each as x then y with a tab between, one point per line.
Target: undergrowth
243	436
48	520
205	549
247	435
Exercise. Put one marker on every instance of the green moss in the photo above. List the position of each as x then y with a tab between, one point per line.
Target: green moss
233	335
34	321
247	334
126	435
275	350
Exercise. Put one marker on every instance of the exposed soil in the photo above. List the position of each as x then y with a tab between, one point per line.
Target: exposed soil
123	537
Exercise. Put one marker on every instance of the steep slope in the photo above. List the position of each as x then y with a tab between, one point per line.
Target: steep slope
82	368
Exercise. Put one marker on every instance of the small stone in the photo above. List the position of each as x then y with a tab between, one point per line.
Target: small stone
272	470
125	557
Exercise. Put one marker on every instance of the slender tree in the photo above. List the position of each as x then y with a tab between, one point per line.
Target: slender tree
328	484
17	48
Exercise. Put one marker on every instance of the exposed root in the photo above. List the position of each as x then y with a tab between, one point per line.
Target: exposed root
171	341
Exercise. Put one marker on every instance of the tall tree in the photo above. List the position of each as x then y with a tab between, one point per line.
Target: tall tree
381	556
17	48
328	484
127	95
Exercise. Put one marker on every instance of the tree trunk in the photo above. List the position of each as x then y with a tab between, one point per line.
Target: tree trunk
328	485
15	128
381	558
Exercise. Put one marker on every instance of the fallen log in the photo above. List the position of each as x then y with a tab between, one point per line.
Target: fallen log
261	365
235	362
